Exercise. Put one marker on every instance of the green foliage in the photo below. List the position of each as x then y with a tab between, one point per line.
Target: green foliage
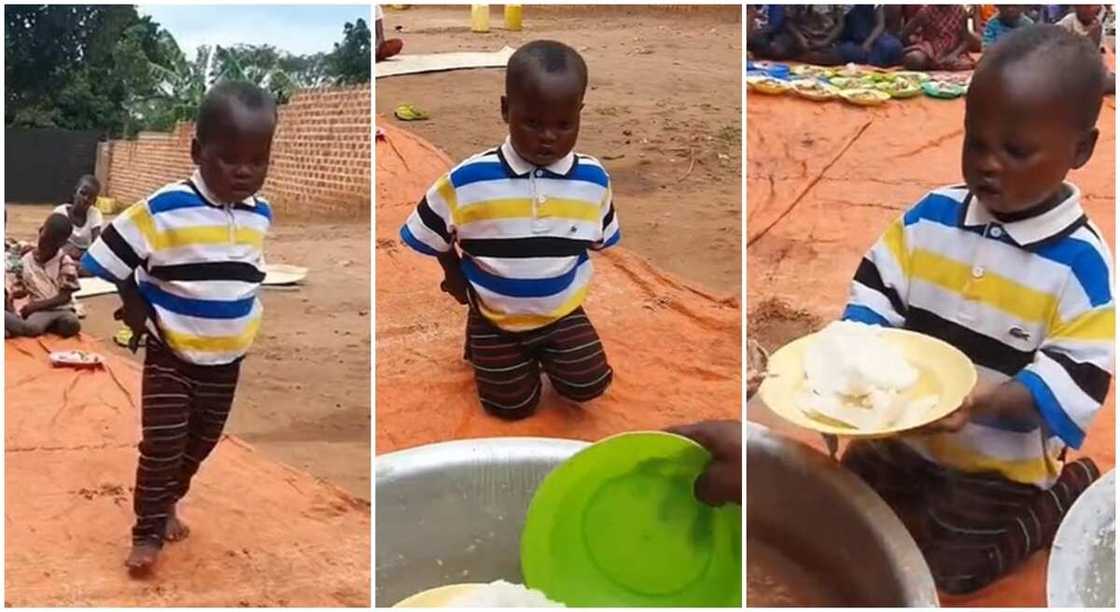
108	68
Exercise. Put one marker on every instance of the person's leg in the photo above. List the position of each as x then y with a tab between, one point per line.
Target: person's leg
38	323
15	326
506	375
892	472
164	417
213	389
783	47
573	357
758	43
850	52
915	59
389	48
886	52
65	324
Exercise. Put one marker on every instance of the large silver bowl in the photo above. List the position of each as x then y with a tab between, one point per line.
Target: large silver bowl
453	512
1082	569
803	503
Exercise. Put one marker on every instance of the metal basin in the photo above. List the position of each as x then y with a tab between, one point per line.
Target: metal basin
824	519
1082	570
453	512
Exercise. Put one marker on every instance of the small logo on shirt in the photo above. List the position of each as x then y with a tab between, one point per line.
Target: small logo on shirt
1019	332
574	229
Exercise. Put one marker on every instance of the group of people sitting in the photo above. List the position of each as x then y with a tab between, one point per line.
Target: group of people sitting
42	277
918	37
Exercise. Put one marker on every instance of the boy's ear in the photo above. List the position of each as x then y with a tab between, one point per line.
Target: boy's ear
1085	146
505	110
196	151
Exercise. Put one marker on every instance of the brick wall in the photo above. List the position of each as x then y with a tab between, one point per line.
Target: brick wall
320	157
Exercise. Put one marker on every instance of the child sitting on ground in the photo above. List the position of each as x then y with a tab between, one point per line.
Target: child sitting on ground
85	218
190	259
1008	269
47	277
937	38
1085	20
523	216
1009	19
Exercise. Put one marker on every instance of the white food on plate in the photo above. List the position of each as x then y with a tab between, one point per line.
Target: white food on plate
856	376
502	594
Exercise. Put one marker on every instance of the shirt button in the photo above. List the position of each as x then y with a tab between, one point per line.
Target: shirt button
996	232
539	173
977	271
541	199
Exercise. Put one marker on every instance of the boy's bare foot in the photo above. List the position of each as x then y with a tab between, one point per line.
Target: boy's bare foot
176	529
141	558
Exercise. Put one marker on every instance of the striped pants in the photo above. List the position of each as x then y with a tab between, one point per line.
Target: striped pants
507	365
971	528
183	411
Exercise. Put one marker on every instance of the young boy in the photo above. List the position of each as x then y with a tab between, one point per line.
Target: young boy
1085	20
84	216
523	216
1009	269
47	277
189	258
1009	19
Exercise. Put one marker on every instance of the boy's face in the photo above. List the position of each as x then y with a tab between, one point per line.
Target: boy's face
85	195
1086	13
234	159
1010	13
1021	138
543	115
49	244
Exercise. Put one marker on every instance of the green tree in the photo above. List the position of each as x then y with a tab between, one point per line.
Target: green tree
349	62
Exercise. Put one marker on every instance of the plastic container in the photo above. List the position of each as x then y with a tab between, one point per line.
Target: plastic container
480	18
513	17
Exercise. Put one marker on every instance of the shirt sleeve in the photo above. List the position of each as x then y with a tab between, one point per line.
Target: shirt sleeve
430	229
991	32
878	292
611	233
68	274
123	246
1072	370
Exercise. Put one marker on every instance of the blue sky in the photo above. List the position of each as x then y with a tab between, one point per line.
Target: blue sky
298	30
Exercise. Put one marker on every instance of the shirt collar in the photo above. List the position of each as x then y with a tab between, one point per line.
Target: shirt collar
209	197
520	167
1032	230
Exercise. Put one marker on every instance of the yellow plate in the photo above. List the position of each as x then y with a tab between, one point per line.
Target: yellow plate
768	85
437	597
865	97
818	94
943	370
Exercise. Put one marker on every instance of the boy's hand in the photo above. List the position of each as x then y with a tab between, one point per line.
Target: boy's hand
28	309
133	313
456	286
956	420
722	480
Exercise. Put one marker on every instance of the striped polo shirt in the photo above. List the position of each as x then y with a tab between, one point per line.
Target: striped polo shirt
1029	299
198	263
523	232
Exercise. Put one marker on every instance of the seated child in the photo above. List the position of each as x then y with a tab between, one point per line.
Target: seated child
1009	19
937	38
1085	20
523	216
1008	269
806	33
862	40
47	277
188	263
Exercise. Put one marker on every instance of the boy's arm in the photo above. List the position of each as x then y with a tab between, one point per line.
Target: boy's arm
881	285
611	233
430	230
122	247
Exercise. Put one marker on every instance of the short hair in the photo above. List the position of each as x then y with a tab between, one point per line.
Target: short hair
217	101
1070	59
91	179
58	226
548	56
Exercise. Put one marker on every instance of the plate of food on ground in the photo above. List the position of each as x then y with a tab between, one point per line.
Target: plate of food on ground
814	89
768	85
865	97
807	70
900	88
75	359
943	90
858	380
911	75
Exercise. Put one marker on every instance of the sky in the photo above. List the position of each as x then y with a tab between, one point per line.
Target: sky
299	30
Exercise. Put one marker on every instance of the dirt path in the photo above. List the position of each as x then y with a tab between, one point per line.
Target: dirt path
663	113
304	392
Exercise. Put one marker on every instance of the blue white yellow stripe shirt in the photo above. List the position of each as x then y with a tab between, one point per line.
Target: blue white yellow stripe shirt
1029	299
197	261
523	231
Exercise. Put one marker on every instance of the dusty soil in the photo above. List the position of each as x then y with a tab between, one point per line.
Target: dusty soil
663	113
304	393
